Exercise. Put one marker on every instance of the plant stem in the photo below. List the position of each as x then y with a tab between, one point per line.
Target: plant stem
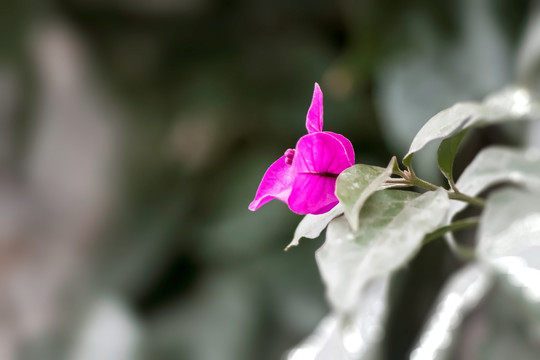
451	194
398	181
453	185
471	200
409	179
457	225
423	184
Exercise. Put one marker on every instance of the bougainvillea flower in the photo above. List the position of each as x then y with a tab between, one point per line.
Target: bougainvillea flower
305	177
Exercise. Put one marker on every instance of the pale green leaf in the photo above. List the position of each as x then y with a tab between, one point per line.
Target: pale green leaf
510	226
511	104
504	300
416	85
392	226
311	225
492	166
461	294
356	184
496	165
337	339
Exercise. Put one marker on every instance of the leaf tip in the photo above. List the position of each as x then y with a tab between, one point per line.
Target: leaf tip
407	160
354	222
295	242
393	165
289	246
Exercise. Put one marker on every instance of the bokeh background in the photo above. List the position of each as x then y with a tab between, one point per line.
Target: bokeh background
134	135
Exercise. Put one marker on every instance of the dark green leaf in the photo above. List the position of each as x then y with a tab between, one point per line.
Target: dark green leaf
446	154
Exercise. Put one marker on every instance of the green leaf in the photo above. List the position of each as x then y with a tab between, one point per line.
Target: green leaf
329	340
463	292
511	104
311	225
356	184
495	165
504	300
393	224
446	154
492	166
510	226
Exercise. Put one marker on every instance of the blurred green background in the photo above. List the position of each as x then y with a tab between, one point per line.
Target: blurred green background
185	103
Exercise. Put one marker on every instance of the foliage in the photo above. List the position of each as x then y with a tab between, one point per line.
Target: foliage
381	230
202	95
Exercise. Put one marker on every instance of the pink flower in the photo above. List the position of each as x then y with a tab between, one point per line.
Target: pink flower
305	177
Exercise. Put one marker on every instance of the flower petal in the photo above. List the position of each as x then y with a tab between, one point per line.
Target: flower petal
313	194
314	118
319	159
323	153
349	150
275	184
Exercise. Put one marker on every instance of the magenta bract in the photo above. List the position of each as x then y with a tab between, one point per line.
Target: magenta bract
305	177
